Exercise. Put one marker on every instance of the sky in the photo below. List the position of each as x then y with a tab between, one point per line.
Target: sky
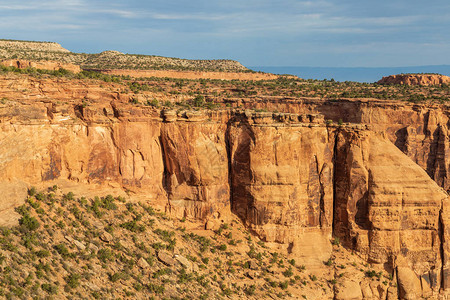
320	33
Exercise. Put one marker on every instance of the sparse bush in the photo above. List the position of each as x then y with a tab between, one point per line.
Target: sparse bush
222	247
49	288
250	290
29	223
73	280
105	255
288	272
336	241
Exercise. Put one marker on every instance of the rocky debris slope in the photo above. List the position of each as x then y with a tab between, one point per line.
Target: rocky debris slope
103	247
415	79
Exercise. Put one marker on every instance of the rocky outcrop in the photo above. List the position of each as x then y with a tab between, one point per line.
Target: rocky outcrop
420	131
415	79
192	74
43	65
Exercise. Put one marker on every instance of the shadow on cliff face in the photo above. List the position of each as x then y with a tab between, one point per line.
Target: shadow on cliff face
239	148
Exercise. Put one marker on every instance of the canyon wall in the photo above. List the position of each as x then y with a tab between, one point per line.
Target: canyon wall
191	74
420	131
294	179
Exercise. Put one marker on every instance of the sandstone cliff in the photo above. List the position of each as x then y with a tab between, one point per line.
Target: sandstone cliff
415	79
43	65
293	182
293	179
192	74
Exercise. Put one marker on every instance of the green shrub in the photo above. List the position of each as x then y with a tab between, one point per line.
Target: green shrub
30	223
222	247
154	288
32	191
198	101
119	276
288	272
62	250
284	285
250	290
336	241
73	280
49	288
105	255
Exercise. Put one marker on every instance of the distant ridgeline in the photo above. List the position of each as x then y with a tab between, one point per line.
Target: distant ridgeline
37	51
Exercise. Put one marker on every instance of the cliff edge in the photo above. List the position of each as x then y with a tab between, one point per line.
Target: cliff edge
415	79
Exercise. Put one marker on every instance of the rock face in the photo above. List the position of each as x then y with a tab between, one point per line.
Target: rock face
192	74
44	65
281	180
387	208
415	79
294	179
196	168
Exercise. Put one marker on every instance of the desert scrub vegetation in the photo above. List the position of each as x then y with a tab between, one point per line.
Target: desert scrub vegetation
69	246
42	51
61	73
206	94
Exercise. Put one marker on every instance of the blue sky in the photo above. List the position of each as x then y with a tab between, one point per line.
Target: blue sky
327	33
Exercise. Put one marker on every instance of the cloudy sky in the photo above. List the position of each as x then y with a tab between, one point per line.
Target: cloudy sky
326	33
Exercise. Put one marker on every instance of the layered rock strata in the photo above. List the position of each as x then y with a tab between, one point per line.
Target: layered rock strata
43	65
415	79
294	179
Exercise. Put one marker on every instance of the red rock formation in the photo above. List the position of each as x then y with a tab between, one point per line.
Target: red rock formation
192	74
386	207
415	79
43	65
196	167
293	179
282	181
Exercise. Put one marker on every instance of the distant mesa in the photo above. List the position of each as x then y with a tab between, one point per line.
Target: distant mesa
112	60
415	79
32	46
111	53
52	56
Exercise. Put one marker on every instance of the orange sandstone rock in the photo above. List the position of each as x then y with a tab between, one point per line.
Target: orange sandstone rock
44	65
415	79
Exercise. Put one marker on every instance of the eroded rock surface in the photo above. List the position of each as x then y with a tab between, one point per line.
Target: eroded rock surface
292	178
282	182
43	65
415	79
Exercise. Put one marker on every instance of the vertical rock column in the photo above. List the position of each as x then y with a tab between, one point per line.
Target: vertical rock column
282	183
387	208
196	167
